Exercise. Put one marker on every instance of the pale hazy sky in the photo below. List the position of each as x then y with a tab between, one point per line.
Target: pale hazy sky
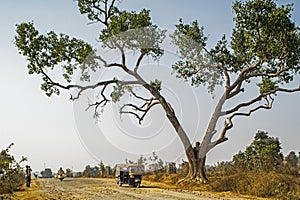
53	132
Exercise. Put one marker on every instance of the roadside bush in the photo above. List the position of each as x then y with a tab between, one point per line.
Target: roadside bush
12	176
261	184
170	179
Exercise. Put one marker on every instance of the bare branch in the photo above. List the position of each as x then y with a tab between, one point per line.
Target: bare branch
110	10
102	103
246	104
268	106
138	109
228	123
106	11
260	97
142	98
102	60
84	88
132	113
297	89
269	100
105	64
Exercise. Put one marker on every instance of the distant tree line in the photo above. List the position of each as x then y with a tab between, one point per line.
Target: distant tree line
263	154
260	170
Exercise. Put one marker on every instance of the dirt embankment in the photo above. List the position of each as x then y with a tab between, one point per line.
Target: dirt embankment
93	189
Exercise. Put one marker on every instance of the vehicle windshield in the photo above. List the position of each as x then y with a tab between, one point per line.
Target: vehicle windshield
134	169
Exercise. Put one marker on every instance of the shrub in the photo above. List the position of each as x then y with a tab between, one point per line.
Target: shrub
12	176
261	184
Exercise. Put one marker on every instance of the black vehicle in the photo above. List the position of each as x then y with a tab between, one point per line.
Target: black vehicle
130	174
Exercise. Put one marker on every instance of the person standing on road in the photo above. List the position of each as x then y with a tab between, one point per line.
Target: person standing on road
28	175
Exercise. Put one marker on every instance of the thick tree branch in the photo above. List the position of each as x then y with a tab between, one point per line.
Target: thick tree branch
139	62
228	124
105	64
237	90
268	106
227	77
217	142
265	74
246	104
297	89
241	76
260	97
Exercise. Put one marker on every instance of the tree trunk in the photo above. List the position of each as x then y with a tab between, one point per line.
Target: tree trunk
196	163
196	171
201	169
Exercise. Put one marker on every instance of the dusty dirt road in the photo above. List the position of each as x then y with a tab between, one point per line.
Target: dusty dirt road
93	189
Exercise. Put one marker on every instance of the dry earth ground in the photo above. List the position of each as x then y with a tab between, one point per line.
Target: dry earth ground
93	189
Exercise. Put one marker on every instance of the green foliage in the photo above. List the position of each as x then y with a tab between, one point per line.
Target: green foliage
94	9
156	84
193	32
123	21
266	86
133	31
118	91
12	176
46	52
258	171
264	34
156	162
291	159
221	54
195	63
124	29
264	31
262	154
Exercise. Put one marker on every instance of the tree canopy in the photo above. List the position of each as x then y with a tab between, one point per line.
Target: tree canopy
264	153
263	51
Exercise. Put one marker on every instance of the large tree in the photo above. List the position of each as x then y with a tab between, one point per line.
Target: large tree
264	50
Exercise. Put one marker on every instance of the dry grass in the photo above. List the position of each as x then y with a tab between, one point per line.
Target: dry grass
31	193
168	181
260	184
250	185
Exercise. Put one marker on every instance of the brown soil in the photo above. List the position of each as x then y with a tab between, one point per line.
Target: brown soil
97	188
